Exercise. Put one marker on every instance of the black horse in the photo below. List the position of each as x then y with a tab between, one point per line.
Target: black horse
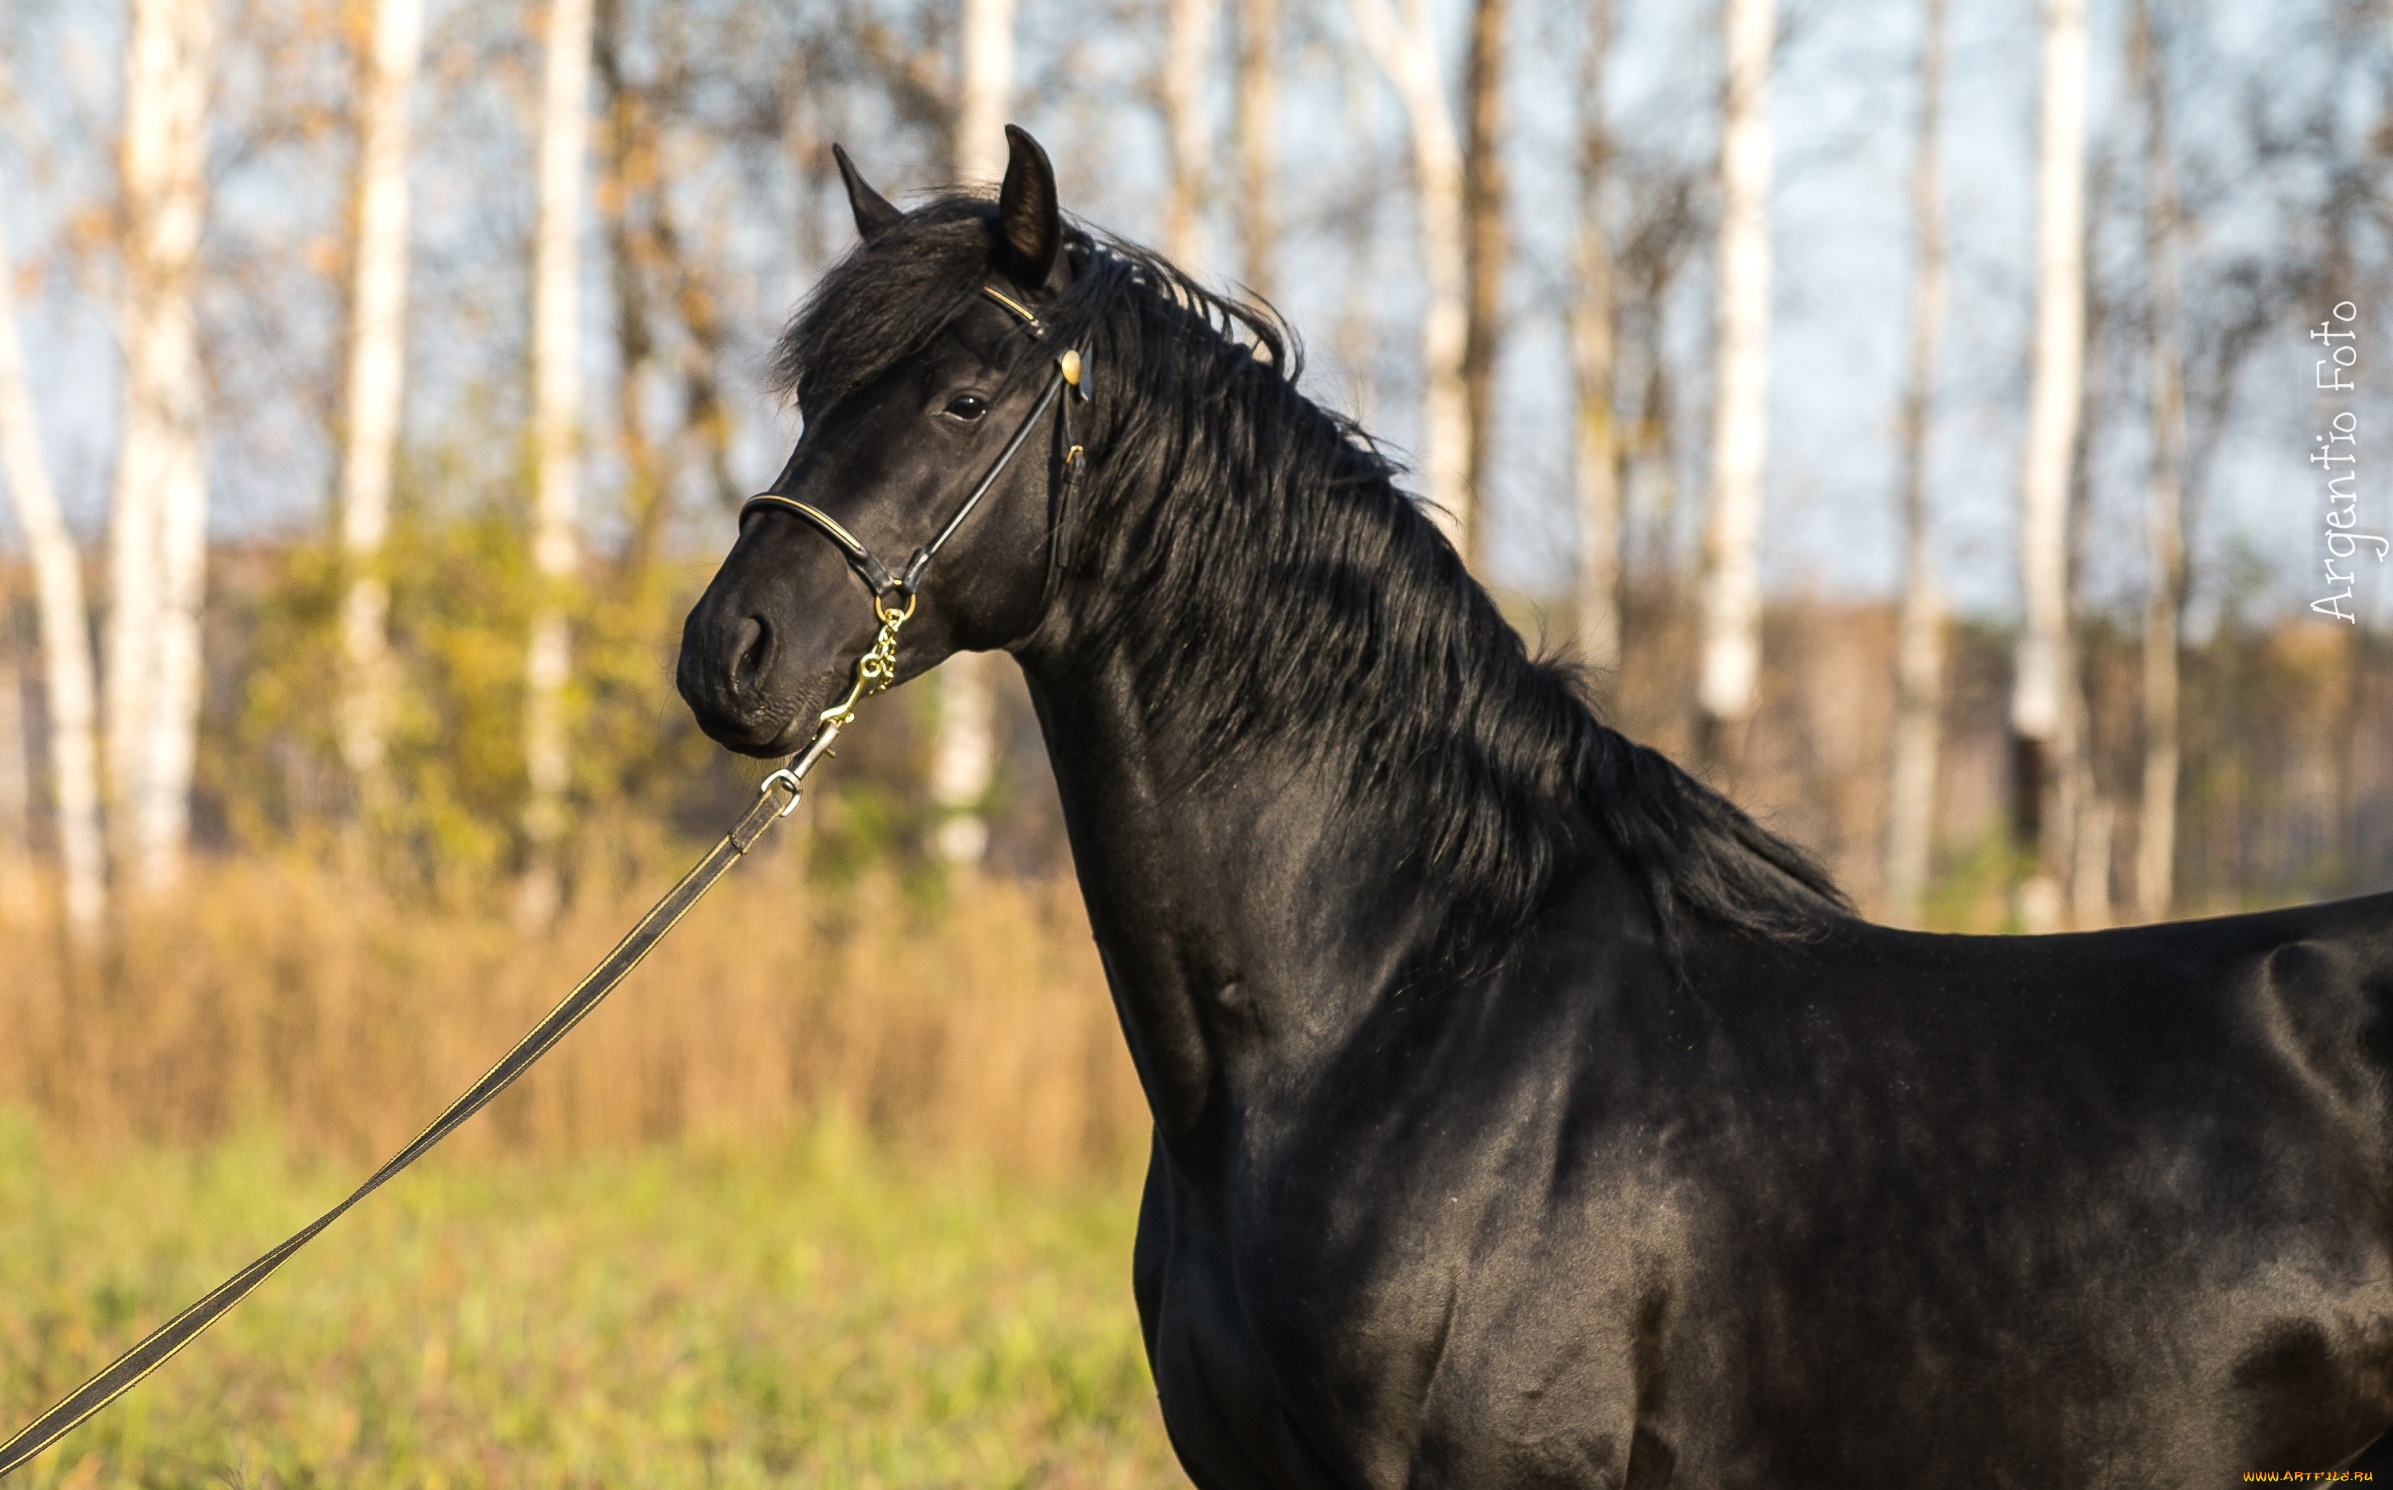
1525	1115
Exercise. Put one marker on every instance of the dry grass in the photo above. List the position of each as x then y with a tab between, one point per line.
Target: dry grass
288	997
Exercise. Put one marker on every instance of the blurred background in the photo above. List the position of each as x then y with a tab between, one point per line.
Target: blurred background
1950	425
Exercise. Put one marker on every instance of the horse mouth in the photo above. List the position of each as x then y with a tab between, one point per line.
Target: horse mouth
778	728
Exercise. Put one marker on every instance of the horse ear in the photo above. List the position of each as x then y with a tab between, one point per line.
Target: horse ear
874	213
1030	225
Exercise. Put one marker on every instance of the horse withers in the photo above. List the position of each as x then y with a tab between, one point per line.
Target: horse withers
1525	1115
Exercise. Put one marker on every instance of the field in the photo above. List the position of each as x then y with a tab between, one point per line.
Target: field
813	1311
837	1190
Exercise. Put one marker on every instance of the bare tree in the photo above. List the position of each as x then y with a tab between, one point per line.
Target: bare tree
1661	231
1919	628
965	760
2164	597
1355	215
158	524
376	381
557	392
1405	48
1187	51
2042	727
631	208
65	631
1731	663
1595	364
1258	142
1485	245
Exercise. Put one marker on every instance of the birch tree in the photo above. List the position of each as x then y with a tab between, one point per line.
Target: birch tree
557	393
1485	243
2164	596
65	630
1731	658
1919	625
985	90
1188	49
376	381
2041	727
1594	365
1258	143
1403	45
158	523
965	760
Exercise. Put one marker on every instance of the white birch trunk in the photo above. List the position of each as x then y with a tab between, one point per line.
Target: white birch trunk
1188	122
965	760
2156	820
1258	143
65	633
129	639
2041	665
964	756
557	394
1919	626
987	89
158	525
376	382
1405	48
1731	660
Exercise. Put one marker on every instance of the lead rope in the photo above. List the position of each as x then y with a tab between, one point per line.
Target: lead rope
875	671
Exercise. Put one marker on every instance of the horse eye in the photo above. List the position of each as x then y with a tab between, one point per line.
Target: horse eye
967	406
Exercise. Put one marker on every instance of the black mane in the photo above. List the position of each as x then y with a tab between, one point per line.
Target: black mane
1267	581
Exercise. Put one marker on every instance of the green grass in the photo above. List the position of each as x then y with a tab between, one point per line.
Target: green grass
816	1314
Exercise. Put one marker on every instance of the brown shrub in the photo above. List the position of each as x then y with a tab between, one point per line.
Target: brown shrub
292	996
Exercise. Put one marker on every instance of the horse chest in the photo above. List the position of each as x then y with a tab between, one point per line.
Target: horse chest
1289	1350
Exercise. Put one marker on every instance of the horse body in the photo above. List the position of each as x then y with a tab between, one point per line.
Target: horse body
1878	1208
1525	1115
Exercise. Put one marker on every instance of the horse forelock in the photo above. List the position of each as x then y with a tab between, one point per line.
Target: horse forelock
883	302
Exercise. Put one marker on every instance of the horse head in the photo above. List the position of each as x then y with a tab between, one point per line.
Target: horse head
924	364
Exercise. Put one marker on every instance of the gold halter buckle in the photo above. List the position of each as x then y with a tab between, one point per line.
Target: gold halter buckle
877	668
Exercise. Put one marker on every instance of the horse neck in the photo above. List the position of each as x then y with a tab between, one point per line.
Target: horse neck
1254	911
1246	933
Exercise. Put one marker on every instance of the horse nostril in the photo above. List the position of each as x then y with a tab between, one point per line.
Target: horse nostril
754	656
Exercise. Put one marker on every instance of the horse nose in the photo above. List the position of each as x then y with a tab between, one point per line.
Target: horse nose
751	658
725	669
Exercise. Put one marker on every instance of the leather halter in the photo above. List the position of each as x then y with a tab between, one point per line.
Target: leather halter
903	584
